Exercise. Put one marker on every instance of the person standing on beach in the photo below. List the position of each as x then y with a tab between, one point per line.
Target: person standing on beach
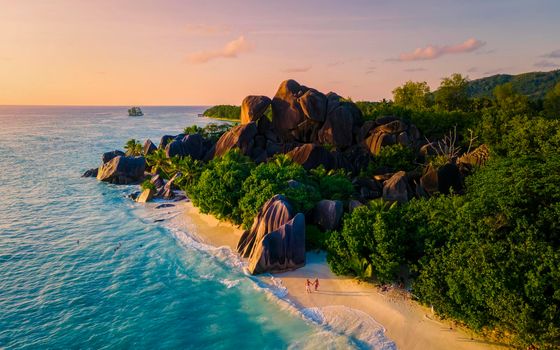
308	286
316	284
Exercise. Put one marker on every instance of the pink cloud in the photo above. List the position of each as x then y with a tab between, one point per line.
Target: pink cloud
230	50
297	69
432	52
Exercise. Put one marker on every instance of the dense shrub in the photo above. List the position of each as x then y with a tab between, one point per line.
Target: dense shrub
224	112
499	269
211	131
315	238
332	184
219	188
269	179
396	157
369	243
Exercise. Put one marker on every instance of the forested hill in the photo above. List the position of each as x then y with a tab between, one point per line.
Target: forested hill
533	84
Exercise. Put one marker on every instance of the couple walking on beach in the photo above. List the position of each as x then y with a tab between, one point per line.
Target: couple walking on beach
308	285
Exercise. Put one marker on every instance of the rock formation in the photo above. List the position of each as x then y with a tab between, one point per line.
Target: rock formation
276	240
190	145
386	131
442	180
327	214
396	188
253	108
122	170
107	156
148	148
311	156
241	137
90	172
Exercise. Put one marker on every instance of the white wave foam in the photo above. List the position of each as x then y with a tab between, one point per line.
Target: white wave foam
229	283
339	324
359	326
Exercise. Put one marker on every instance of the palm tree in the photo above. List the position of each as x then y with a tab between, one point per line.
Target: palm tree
158	161
133	148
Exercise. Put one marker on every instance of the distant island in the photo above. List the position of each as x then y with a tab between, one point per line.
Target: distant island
450	198
228	112
135	112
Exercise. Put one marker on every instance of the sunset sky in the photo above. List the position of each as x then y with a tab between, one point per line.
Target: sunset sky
209	52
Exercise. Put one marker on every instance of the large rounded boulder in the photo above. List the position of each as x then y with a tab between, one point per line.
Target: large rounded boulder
396	188
287	113
107	156
327	214
442	180
253	107
311	156
190	145
387	131
338	128
275	212
149	147
314	105
122	170
241	136
281	250
276	240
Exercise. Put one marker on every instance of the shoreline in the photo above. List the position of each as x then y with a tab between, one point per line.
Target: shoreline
406	323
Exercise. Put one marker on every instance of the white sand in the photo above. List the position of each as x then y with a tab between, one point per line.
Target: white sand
408	324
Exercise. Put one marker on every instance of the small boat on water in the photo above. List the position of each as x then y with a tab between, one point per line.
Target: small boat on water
135	112
200	115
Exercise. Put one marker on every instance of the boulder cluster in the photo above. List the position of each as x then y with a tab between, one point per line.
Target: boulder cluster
313	129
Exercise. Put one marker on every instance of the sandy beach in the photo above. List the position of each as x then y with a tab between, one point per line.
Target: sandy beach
408	324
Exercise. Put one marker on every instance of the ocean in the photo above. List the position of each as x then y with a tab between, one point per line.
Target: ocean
83	266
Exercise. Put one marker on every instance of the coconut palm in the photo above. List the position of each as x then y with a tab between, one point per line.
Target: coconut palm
158	161
133	147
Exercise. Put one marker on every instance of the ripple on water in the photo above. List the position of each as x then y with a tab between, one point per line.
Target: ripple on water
81	267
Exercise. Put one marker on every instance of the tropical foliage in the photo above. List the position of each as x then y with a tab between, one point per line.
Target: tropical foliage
223	112
133	148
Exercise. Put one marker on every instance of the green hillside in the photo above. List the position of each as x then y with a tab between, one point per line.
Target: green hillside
533	84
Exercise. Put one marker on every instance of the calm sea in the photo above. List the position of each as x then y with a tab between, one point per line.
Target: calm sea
82	266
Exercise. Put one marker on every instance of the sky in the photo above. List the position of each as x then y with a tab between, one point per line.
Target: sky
182	52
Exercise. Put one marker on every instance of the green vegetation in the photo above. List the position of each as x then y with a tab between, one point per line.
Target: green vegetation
133	148
552	102
223	112
488	258
211	131
535	85
414	95
272	178
218	190
395	157
147	185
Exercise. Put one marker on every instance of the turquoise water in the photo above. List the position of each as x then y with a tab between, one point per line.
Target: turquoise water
64	281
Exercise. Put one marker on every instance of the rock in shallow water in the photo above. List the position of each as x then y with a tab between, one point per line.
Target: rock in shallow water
122	170
91	172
